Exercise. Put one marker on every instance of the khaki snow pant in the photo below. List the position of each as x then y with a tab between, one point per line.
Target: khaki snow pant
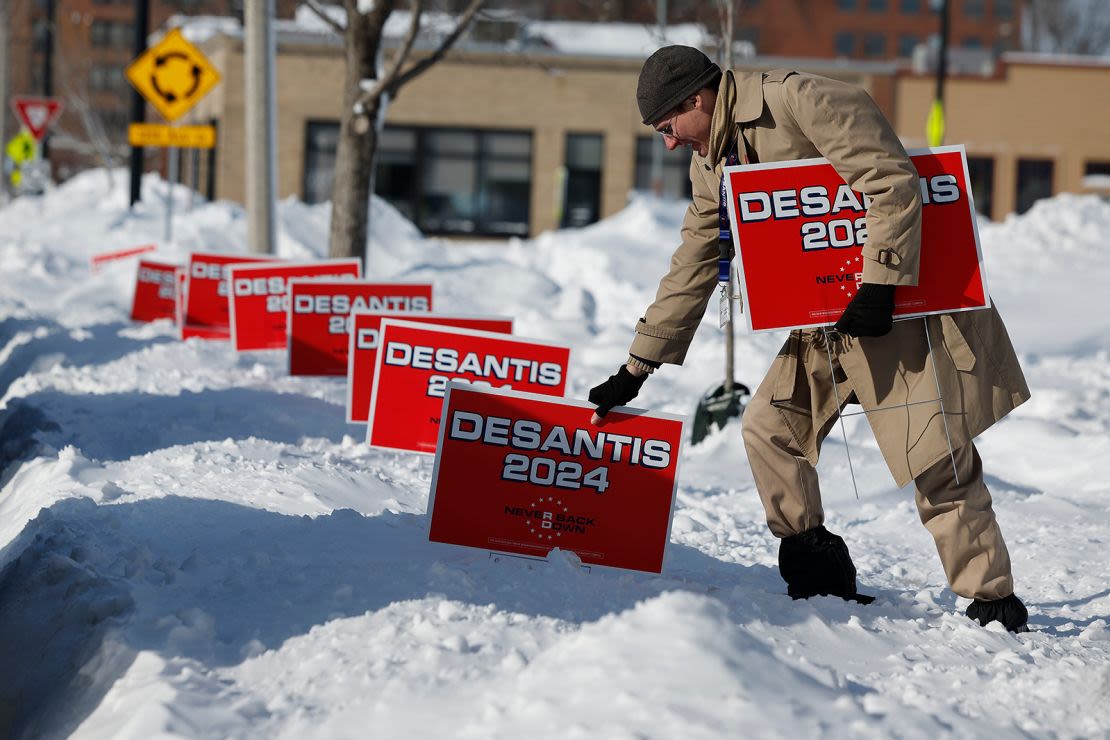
958	515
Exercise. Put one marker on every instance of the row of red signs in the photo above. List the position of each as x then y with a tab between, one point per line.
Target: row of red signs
531	477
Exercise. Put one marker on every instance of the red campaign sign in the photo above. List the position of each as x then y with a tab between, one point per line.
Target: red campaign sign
362	352
523	474
800	230
207	313
320	318
155	291
100	259
416	361
37	114
260	299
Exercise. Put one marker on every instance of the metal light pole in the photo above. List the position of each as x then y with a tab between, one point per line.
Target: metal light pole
261	150
934	127
138	105
261	140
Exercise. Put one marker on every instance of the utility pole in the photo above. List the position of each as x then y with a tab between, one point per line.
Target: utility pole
261	145
48	71
138	106
4	38
934	127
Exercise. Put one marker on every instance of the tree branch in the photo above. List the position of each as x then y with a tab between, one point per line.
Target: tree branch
402	54
317	9
421	66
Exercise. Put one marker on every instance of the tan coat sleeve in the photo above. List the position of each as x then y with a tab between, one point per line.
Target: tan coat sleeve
850	131
667	327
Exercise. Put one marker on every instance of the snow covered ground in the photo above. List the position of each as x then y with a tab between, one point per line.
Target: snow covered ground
193	544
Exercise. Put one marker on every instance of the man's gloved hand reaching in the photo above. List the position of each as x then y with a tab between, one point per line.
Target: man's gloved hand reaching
869	313
618	390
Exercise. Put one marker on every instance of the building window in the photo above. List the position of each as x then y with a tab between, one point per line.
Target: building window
847	6
972	42
446	181
981	171
874	45
910	7
878	6
321	142
974	8
396	176
1034	181
40	30
907	42
106	78
676	170
110	33
845	43
582	186
1003	9
1096	168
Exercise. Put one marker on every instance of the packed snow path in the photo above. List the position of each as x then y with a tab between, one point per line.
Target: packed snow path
193	544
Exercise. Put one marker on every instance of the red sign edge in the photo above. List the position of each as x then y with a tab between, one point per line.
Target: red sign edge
788	164
451	330
454	385
341	261
289	310
189	279
135	294
398	315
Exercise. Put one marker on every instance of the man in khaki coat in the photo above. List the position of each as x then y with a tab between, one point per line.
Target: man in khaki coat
787	115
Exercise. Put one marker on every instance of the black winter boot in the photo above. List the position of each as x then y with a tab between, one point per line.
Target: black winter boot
816	563
1008	611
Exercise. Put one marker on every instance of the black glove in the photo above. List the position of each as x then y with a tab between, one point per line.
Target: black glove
618	390
869	313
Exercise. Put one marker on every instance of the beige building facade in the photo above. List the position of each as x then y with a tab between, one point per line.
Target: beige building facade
501	144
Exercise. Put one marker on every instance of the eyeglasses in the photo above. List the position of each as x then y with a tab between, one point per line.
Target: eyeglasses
667	132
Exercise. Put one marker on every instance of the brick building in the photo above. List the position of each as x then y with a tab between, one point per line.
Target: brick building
851	29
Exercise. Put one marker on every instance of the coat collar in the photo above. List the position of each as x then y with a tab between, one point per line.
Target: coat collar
749	96
739	100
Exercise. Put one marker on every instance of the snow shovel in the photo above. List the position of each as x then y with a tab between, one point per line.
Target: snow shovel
727	400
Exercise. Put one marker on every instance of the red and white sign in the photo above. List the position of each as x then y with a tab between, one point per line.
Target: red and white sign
362	353
416	361
207	314
320	318
800	231
155	291
37	114
101	258
260	298
523	473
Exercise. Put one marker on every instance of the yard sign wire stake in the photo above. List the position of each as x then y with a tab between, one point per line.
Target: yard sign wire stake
836	395
938	400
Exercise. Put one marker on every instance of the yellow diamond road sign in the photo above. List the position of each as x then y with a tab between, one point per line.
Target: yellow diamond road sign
173	75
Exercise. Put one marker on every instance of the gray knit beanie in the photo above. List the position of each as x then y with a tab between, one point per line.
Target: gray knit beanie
669	76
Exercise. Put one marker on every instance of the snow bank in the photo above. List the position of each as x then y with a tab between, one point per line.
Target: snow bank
193	544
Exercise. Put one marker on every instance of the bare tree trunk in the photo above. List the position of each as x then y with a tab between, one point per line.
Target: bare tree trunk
355	150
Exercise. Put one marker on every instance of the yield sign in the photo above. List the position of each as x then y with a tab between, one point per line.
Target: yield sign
37	113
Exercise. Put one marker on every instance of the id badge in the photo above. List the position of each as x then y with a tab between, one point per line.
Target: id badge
725	306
